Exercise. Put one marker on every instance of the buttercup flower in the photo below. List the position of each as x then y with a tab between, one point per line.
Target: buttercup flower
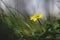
36	16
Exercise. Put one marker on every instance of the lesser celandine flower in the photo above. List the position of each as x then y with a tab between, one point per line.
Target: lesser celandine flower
36	16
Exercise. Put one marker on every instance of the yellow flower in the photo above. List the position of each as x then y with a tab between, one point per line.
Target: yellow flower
36	16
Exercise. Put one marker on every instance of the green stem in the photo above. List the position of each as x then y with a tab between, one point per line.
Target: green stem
39	22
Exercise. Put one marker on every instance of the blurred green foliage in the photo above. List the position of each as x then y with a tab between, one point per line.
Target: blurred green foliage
18	26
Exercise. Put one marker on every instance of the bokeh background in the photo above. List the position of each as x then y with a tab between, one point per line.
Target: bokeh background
15	23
